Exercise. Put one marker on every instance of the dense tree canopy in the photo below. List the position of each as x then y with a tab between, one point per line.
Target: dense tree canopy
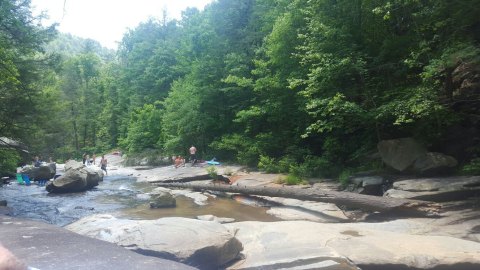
305	87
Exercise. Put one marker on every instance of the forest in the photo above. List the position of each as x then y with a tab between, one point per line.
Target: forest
304	87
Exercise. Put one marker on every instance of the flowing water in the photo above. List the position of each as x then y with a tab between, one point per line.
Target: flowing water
118	195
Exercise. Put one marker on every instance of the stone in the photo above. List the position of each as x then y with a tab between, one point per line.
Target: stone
434	163
204	244
44	172
368	185
163	200
400	154
77	178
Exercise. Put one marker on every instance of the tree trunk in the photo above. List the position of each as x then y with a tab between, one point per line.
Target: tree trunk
348	199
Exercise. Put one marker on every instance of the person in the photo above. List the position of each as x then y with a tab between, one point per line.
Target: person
36	161
179	161
94	157
84	158
9	261
87	158
103	164
193	154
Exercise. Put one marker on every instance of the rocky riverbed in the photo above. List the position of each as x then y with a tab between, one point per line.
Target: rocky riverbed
307	235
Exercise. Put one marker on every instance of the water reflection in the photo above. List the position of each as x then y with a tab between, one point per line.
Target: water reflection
119	195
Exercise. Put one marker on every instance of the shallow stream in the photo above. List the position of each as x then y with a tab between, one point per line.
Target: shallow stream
120	196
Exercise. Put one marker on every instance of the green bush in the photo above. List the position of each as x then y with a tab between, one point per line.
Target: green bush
212	172
268	164
472	168
344	177
8	161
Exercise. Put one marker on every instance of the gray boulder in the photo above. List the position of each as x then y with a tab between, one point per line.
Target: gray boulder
204	244
433	163
400	154
368	185
44	172
162	200
77	178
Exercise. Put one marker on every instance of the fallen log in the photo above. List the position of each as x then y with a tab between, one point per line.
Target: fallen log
347	199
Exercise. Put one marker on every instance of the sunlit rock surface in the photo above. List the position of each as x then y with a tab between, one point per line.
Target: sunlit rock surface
204	244
299	243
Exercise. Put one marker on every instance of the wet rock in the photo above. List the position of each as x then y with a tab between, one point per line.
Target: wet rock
77	177
163	200
44	172
3	203
205	244
288	244
436	189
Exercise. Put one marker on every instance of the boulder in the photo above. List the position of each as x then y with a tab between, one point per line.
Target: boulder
368	185
162	200
400	154
204	244
301	244
77	177
436	189
434	163
44	172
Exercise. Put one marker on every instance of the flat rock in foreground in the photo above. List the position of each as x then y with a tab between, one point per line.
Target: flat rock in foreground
205	244
48	247
389	245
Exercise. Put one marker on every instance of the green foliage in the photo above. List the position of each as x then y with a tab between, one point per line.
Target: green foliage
144	129
472	168
212	172
344	177
9	160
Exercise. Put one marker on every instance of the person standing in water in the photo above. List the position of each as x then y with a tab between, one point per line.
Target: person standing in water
193	156
103	164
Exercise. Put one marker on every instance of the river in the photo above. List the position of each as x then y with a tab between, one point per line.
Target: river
121	196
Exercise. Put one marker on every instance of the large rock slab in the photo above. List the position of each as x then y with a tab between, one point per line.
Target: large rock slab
205	244
47	247
291	244
436	189
77	177
182	174
293	209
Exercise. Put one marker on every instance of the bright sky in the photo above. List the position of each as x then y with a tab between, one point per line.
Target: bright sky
107	20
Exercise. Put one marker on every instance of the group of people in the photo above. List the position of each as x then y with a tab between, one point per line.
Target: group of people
179	161
86	160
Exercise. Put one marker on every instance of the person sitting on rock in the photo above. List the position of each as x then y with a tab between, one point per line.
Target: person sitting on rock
179	161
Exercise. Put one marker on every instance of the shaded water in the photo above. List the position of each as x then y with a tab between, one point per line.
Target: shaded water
117	195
